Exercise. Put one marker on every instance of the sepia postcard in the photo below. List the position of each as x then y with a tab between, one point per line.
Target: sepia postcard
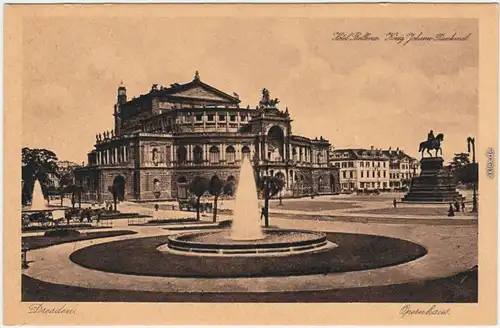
250	164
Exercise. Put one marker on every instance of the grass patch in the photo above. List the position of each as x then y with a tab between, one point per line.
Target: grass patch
36	242
140	257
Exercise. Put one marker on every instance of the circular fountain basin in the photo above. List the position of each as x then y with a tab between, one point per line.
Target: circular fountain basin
219	243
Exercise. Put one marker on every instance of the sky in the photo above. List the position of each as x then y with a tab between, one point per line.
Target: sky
354	93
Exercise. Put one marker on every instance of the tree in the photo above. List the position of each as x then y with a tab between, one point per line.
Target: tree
269	186
462	169
37	164
76	193
216	188
459	161
65	181
198	187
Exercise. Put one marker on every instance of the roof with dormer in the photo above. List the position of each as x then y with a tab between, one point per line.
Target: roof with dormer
375	154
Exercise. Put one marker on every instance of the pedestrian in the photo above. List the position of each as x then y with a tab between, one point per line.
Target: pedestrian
262	213
394	203
67	215
157	207
457	206
450	211
89	215
463	205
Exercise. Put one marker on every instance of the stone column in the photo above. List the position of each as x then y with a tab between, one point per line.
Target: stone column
222	152
252	151
259	150
205	153
174	153
116	155
190	153
204	118
238	155
141	159
266	149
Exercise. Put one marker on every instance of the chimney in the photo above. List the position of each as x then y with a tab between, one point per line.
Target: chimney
390	149
371	147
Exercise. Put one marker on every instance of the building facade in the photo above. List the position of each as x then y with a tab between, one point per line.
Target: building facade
163	139
373	169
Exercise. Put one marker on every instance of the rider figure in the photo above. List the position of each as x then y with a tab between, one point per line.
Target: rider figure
430	136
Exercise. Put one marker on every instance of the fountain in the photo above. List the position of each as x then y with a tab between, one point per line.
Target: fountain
246	236
38	202
246	223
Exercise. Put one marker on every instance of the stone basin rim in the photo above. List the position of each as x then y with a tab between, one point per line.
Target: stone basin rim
314	239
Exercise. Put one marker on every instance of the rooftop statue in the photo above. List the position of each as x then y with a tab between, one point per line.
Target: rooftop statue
432	143
266	100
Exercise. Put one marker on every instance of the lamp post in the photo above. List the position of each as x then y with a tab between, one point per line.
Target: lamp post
24	257
471	142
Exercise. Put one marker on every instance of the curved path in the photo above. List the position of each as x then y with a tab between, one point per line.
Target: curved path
451	249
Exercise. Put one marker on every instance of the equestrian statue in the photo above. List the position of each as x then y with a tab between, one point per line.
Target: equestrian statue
432	143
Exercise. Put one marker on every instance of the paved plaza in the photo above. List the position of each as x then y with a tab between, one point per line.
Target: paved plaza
451	245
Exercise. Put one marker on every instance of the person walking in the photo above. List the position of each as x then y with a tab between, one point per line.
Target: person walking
463	205
450	211
394	203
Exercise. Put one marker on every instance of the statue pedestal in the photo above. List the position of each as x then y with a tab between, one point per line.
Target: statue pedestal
433	185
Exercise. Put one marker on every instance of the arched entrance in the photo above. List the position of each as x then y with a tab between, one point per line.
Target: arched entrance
320	184
181	187
332	183
119	187
245	151
156	188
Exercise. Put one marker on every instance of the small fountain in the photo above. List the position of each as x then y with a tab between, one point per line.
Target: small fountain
38	202
246	236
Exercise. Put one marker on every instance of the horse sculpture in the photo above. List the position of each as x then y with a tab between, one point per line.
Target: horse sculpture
432	144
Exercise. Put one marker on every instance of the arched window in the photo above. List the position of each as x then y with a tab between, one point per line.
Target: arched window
275	139
154	155
156	184
197	155
230	155
214	155
181	155
245	151
281	176
318	158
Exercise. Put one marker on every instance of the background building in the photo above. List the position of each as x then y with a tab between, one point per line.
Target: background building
66	169
373	169
165	138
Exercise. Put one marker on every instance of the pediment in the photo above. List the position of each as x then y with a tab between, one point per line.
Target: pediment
200	92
